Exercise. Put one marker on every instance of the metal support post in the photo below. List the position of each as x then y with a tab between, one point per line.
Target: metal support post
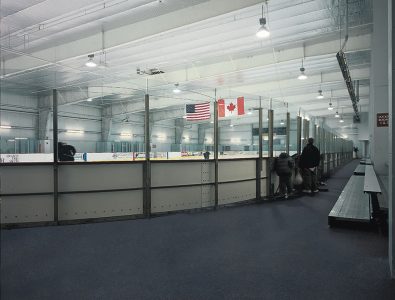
216	143
270	132
260	154
299	134
55	155
147	165
288	130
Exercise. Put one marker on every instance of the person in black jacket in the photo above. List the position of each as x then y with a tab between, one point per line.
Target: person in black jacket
309	161
283	166
65	152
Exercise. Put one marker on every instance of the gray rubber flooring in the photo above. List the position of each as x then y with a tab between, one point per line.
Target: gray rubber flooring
277	250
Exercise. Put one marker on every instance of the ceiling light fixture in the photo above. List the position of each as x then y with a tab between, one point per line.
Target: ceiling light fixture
126	134
330	107
89	99
263	32
320	95
90	63
5	127
341	119
337	115
302	75
21	138
282	122
74	131
176	90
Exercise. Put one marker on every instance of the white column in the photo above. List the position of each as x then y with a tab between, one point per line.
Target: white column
391	162
379	87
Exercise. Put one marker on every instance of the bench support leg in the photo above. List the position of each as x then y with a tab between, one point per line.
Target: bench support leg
377	214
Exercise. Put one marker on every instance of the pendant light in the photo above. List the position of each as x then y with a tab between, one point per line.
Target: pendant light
337	110
341	119
320	95
90	63
176	89
302	75
330	107
262	32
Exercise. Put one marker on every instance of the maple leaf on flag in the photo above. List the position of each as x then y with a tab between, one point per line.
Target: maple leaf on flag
231	107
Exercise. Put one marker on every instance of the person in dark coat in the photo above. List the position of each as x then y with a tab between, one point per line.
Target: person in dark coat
65	152
309	161
283	166
206	155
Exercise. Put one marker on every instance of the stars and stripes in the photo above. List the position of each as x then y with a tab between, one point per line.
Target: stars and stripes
195	112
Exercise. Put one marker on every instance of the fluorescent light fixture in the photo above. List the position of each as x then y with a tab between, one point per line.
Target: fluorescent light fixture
21	138
282	122
89	99
330	107
235	140
125	134
90	63
176	89
337	115
5	127
74	131
249	113
320	95
161	136
12	141
231	125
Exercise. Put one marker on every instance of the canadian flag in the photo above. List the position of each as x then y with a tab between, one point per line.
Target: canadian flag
229	107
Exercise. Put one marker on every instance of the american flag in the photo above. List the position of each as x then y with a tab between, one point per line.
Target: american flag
199	111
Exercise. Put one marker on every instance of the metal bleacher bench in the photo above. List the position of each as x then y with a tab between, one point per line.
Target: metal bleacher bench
352	204
366	161
358	201
360	170
372	187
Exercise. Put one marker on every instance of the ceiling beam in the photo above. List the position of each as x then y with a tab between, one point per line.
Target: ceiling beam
123	35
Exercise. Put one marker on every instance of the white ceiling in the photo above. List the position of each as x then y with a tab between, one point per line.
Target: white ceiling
203	45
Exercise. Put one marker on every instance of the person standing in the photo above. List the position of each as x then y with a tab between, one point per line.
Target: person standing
283	166
309	161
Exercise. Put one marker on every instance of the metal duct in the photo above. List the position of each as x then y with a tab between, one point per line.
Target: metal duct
341	58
